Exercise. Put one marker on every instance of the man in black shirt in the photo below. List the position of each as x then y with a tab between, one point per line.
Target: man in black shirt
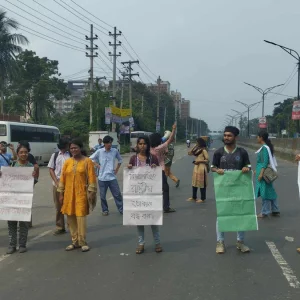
230	158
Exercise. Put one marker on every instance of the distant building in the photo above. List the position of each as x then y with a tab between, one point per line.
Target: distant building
185	109
165	87
177	101
77	89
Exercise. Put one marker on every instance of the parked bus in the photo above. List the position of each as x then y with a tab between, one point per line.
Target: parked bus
43	139
134	136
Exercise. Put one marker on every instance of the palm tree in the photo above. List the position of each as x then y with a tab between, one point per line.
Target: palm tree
9	48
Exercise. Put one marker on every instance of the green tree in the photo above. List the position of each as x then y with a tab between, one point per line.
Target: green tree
9	48
37	85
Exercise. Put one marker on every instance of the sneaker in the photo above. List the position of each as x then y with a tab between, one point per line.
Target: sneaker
105	213
220	249
242	247
59	231
276	214
170	210
177	183
22	249
11	250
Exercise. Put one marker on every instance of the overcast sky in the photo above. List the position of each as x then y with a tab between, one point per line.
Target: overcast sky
205	49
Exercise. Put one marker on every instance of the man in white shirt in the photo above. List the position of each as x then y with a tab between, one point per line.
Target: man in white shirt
55	167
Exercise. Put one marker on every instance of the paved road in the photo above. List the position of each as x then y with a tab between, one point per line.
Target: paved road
188	269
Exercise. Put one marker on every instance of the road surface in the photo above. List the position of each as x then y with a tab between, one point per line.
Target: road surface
188	269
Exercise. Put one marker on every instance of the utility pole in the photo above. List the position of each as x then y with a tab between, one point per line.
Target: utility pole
157	107
114	55
124	75
142	105
130	75
91	56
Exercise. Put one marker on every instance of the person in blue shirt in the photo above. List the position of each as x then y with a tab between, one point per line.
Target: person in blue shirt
6	158
100	145
104	159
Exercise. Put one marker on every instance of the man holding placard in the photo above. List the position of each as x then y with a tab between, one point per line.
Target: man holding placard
234	191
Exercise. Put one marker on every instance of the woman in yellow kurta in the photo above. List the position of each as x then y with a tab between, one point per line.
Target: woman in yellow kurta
199	178
77	188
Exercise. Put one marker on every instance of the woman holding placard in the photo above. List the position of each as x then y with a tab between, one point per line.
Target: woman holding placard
22	153
141	159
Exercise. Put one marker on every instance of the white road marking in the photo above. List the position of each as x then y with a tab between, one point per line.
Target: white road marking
40	236
2	257
286	269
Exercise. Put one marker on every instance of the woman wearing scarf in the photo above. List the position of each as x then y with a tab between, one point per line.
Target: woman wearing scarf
265	157
199	178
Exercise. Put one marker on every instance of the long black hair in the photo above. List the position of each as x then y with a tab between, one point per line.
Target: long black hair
147	142
155	139
201	142
265	137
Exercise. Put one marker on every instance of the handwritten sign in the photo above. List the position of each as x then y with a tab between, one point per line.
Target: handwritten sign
16	192
235	201
142	196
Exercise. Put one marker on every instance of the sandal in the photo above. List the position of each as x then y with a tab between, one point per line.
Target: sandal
190	199
72	247
200	201
140	249
85	248
158	248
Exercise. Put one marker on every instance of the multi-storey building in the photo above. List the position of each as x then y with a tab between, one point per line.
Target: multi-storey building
165	87
77	89
177	101
185	109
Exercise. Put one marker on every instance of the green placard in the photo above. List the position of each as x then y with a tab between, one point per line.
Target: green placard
235	201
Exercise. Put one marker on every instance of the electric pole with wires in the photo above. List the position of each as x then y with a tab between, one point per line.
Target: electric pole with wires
115	44
130	75
91	56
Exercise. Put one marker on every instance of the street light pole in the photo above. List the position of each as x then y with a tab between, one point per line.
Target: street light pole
296	55
264	93
248	109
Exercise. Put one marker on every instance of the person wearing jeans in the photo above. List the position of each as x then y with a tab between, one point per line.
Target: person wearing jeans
142	159
104	159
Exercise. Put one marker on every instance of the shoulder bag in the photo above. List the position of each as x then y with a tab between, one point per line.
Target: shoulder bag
269	174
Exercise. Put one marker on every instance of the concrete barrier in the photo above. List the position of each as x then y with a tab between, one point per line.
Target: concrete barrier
284	148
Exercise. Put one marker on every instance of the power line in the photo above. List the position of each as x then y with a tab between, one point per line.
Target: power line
39	24
79	49
84	70
53	41
138	56
92	14
84	17
45	22
59	15
49	17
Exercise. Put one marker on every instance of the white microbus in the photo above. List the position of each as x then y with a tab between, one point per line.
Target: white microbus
134	136
43	139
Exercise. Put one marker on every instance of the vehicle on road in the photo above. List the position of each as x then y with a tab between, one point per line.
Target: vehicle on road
43	139
134	136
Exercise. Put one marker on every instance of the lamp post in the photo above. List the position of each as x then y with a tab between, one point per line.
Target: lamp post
296	55
239	114
232	118
248	106
264	93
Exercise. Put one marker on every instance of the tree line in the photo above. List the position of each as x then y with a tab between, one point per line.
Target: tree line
29	84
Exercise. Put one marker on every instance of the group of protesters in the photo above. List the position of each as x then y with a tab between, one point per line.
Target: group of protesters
75	177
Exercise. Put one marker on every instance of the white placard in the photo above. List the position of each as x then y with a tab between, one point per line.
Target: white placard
142	196
16	193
